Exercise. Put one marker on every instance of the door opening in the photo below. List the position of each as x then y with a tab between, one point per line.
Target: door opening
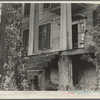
75	36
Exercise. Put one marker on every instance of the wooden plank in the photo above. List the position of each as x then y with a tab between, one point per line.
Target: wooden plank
40	59
37	63
75	52
36	66
44	55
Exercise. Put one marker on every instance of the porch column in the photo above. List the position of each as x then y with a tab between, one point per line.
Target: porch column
65	72
33	28
66	27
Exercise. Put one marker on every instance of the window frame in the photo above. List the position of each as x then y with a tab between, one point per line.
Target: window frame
50	39
79	31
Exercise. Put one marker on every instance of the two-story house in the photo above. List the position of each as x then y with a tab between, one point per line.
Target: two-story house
54	37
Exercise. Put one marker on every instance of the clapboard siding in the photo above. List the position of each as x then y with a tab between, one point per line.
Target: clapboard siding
88	12
49	17
54	19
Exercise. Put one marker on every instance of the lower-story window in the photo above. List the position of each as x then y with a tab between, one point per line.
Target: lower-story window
44	36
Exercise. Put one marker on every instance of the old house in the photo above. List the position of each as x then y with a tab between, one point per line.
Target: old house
54	37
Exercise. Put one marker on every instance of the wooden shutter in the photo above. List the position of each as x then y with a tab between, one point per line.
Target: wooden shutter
48	35
25	39
44	36
94	18
27	10
40	37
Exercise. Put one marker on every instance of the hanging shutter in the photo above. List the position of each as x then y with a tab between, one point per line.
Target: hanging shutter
48	35
94	18
40	38
27	10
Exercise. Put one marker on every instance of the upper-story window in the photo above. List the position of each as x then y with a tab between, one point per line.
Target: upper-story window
44	36
47	6
26	9
78	34
94	18
25	39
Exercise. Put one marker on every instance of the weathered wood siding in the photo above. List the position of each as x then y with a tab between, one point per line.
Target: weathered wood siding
54	19
88	12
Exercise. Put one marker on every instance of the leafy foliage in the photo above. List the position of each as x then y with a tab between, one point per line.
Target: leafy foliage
14	75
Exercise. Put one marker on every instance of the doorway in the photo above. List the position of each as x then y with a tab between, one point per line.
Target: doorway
84	73
75	36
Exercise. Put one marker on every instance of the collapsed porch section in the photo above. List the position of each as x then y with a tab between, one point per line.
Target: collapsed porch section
56	71
57	38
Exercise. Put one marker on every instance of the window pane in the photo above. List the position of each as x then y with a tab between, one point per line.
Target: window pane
27	10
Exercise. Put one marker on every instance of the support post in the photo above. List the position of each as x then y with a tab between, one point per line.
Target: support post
33	28
65	72
66	27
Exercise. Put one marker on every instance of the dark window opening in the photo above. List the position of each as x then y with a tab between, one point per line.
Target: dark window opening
46	5
44	36
36	84
49	5
25	39
94	18
27	10
75	36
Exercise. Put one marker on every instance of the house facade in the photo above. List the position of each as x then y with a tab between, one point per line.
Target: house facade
55	36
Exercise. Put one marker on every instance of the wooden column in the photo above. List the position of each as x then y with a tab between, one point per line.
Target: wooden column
33	28
65	72
36	33
66	27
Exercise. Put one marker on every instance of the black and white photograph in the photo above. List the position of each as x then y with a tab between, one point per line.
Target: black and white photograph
50	47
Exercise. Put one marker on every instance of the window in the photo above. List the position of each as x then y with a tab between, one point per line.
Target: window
25	39
49	5
44	36
94	18
46	5
78	33
27	10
